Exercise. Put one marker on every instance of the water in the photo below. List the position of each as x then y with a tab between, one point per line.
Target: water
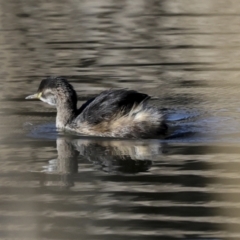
60	186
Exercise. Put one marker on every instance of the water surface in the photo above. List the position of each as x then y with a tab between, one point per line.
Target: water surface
57	185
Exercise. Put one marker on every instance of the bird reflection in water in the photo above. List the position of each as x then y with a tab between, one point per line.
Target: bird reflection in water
111	156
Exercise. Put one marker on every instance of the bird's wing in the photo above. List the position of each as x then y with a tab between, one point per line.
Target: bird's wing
84	105
109	103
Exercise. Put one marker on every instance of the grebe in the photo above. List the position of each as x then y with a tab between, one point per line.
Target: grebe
113	113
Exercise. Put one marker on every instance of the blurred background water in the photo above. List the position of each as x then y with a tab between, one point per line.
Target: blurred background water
61	186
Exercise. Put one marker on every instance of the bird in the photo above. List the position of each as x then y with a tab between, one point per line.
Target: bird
117	113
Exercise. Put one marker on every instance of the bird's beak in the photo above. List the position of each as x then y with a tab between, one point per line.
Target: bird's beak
34	96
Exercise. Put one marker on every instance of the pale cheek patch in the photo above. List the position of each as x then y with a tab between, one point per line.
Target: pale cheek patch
48	101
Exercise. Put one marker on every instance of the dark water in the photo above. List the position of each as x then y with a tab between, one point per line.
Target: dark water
59	186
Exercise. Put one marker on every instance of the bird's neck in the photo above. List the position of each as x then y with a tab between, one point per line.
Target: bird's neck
66	112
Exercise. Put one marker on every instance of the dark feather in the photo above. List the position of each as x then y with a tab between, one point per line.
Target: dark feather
84	105
108	103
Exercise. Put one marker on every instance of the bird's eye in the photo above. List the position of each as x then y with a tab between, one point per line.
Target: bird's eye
47	94
48	97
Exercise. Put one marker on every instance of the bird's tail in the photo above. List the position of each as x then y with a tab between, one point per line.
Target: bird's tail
141	122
